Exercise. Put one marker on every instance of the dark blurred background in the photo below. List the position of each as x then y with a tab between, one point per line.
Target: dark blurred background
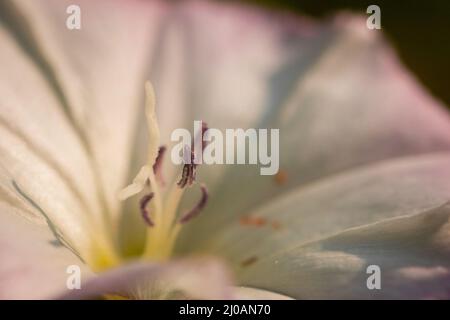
418	29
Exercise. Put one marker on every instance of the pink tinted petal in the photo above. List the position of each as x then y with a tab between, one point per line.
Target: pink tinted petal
348	103
195	278
33	264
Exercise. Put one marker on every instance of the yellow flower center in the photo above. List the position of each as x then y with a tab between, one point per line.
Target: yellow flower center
159	211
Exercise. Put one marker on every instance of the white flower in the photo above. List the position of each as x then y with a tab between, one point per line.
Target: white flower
364	151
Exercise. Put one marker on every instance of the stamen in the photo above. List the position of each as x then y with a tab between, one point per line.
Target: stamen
143	207
157	166
192	175
197	208
204	129
184	177
190	169
164	220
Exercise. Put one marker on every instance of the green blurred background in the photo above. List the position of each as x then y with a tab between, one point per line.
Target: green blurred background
418	29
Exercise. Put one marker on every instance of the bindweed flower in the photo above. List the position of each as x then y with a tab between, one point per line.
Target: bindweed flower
364	176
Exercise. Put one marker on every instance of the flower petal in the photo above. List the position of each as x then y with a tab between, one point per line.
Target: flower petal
223	63
312	212
411	252
33	264
97	72
215	61
39	151
199	278
353	106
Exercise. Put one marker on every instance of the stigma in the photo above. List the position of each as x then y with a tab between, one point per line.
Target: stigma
158	204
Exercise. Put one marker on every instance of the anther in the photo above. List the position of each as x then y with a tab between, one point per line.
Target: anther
204	129
143	207
189	169
189	172
197	208
157	167
185	176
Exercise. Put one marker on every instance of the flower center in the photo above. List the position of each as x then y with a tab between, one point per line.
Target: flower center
160	212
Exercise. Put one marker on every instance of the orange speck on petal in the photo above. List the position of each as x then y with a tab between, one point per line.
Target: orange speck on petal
253	221
281	177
